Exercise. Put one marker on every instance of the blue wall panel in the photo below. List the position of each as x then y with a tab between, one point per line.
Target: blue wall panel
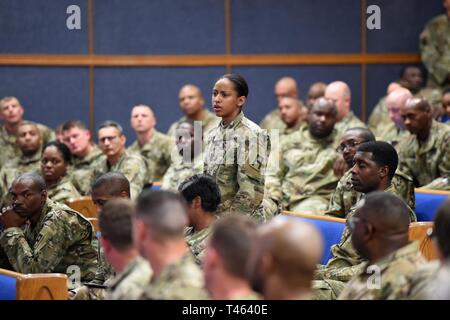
159	27
261	81
39	26
401	23
117	90
293	26
49	95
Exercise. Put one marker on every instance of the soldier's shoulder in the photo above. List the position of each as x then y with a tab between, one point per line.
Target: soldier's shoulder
438	21
161	137
249	126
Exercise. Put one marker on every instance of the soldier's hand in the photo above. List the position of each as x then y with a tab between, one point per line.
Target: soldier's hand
339	166
9	218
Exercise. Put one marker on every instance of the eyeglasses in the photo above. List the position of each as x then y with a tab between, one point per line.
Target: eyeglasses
351	222
350	145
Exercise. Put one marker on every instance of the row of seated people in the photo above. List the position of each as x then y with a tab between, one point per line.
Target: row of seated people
304	166
175	246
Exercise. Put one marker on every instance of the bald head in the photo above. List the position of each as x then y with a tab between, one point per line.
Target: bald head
340	93
394	102
191	100
392	86
286	251
36	180
417	116
382	225
286	87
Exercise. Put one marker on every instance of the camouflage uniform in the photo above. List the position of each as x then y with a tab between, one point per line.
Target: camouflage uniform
181	280
157	153
379	116
396	271
130	283
390	133
14	169
180	171
349	121
273	121
345	261
197	241
62	191
236	155
61	239
132	166
427	163
435	51
304	180
8	145
209	122
345	197
82	170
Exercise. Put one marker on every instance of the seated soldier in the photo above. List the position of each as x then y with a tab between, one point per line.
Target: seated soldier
192	105
203	198
283	259
315	91
189	161
375	166
112	143
394	130
379	230
425	154
108	186
85	154
345	196
226	258
379	116
42	236
11	112
158	231
29	142
154	146
132	271
54	165
293	114
303	179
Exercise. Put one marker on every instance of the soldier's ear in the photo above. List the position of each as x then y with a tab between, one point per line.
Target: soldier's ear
197	202
241	101
383	171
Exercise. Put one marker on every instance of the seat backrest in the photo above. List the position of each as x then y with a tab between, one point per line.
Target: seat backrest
7	287
83	205
427	203
330	228
38	286
418	231
94	222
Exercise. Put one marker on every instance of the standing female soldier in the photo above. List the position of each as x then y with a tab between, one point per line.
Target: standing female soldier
237	150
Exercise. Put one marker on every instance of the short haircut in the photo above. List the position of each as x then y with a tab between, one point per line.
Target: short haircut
115	223
442	228
110	123
232	238
61	147
240	85
364	133
383	153
114	182
37	179
323	102
73	124
387	208
404	68
164	212
7	98
203	186
30	123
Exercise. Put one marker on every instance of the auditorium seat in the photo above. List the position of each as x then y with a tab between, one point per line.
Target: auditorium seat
39	286
331	229
418	231
427	203
83	205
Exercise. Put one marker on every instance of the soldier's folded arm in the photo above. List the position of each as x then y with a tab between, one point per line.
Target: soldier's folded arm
44	256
